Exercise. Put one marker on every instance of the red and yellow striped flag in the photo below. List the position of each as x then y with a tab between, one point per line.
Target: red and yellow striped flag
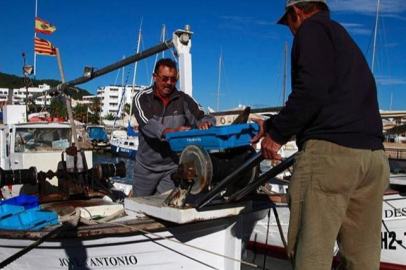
44	27
44	47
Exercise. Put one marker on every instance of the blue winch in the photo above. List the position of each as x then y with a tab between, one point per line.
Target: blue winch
208	156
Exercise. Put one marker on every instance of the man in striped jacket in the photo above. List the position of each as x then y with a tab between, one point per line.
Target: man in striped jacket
161	110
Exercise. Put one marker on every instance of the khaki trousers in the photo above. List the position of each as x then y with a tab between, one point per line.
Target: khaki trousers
336	193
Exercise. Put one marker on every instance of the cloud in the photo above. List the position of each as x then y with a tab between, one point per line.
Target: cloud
385	80
390	8
245	21
356	29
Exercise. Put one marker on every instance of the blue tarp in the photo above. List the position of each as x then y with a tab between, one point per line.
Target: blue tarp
131	132
97	133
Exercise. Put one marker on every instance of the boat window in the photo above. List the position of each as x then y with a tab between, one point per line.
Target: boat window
131	144
125	143
34	139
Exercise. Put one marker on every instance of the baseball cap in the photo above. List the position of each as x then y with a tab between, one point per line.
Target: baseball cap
290	3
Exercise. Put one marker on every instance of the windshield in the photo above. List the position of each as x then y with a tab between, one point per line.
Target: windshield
42	139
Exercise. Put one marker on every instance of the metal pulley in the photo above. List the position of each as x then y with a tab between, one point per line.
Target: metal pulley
195	159
200	171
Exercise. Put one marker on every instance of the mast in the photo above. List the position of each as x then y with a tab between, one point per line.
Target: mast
219	82
132	92
162	39
285	74
35	35
375	35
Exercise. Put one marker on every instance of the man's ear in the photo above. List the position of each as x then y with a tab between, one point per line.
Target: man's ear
296	13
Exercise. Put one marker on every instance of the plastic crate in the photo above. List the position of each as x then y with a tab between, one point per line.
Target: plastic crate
29	219
8	210
214	138
27	201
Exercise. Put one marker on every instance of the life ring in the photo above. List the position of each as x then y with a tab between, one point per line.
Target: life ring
222	120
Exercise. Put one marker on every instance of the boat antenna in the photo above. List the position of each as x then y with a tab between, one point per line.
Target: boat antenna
285	74
162	39
132	92
375	34
219	80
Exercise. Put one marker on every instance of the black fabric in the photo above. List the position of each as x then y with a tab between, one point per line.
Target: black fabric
333	90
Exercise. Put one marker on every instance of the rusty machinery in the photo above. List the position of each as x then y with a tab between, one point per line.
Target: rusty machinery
226	176
75	179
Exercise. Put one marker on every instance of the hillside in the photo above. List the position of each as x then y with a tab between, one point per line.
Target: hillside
13	82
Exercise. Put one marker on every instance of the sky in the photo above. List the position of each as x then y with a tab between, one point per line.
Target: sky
98	33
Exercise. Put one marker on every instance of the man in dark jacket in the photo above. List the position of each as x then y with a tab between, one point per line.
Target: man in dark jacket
341	171
161	110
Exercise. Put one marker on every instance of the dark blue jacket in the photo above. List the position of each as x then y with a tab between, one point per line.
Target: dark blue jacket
333	90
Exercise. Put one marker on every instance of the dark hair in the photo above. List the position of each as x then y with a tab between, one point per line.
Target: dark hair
308	8
166	62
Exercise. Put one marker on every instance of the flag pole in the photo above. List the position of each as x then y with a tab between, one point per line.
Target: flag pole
67	100
35	35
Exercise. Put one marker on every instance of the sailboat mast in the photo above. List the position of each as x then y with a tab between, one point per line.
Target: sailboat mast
35	35
162	40
285	74
219	83
132	92
375	35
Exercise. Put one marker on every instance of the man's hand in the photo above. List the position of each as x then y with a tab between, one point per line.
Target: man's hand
170	130
270	148
261	132
205	125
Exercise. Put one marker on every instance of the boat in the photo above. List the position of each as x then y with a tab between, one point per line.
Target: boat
31	144
87	226
97	136
124	143
270	234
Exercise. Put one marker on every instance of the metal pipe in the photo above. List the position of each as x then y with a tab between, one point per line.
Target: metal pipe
230	179
263	179
129	60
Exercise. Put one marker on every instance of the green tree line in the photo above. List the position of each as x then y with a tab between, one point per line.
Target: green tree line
14	82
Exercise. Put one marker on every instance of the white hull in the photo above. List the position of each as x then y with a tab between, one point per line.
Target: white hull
135	251
393	235
137	243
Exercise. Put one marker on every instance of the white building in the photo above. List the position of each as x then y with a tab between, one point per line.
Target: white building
19	95
111	97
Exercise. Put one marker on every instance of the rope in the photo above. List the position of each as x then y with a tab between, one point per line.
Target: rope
122	211
266	238
68	224
72	221
187	245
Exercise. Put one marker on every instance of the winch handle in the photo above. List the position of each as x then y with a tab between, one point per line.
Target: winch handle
284	165
228	180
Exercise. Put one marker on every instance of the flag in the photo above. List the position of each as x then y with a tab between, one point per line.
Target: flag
43	27
44	47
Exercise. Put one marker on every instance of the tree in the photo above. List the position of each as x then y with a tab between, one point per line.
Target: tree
80	113
109	117
58	107
126	108
95	107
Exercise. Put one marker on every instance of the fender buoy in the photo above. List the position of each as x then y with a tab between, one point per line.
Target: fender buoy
222	120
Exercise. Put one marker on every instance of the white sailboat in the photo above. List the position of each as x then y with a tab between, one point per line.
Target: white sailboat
126	143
